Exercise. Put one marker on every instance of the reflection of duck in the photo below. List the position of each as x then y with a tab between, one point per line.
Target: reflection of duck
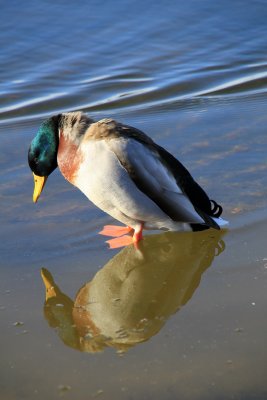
123	172
131	297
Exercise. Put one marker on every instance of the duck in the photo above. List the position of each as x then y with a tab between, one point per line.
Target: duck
123	172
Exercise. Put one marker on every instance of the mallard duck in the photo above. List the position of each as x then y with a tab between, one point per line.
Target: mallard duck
124	173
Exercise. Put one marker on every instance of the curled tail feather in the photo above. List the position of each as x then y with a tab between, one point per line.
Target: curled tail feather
216	209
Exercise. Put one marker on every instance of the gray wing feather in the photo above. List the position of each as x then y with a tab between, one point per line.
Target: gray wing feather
153	178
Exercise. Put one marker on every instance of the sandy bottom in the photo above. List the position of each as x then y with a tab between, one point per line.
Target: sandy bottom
184	317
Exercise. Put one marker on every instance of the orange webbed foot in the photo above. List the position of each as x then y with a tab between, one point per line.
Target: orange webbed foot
115	230
120	241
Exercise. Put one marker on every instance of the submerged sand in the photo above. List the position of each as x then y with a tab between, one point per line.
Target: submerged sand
181	318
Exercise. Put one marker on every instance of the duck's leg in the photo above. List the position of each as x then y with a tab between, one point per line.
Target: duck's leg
125	240
115	230
138	234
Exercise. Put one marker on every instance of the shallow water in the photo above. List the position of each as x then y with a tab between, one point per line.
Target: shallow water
184	317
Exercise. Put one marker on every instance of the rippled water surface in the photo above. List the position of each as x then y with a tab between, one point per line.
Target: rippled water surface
185	317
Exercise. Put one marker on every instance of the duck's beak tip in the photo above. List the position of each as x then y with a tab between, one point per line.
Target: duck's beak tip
39	182
35	198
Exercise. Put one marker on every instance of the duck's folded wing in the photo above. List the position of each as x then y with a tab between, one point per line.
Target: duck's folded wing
153	175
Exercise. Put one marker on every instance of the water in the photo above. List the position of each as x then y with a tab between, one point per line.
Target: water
184	319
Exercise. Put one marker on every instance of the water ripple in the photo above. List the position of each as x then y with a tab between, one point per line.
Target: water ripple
256	82
119	91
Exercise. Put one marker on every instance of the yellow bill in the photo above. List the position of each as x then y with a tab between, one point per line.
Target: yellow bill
39	182
49	283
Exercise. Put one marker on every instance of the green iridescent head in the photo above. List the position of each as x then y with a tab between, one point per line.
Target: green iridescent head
42	154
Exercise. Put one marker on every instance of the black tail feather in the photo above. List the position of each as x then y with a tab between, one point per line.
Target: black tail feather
216	209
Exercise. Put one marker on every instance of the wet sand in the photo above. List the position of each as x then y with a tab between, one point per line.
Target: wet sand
182	318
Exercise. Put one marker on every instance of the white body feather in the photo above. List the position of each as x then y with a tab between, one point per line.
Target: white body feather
105	182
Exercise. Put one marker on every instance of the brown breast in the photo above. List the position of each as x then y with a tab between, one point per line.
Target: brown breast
69	158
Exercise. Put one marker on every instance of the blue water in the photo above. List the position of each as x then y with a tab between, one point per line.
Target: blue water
193	75
130	57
